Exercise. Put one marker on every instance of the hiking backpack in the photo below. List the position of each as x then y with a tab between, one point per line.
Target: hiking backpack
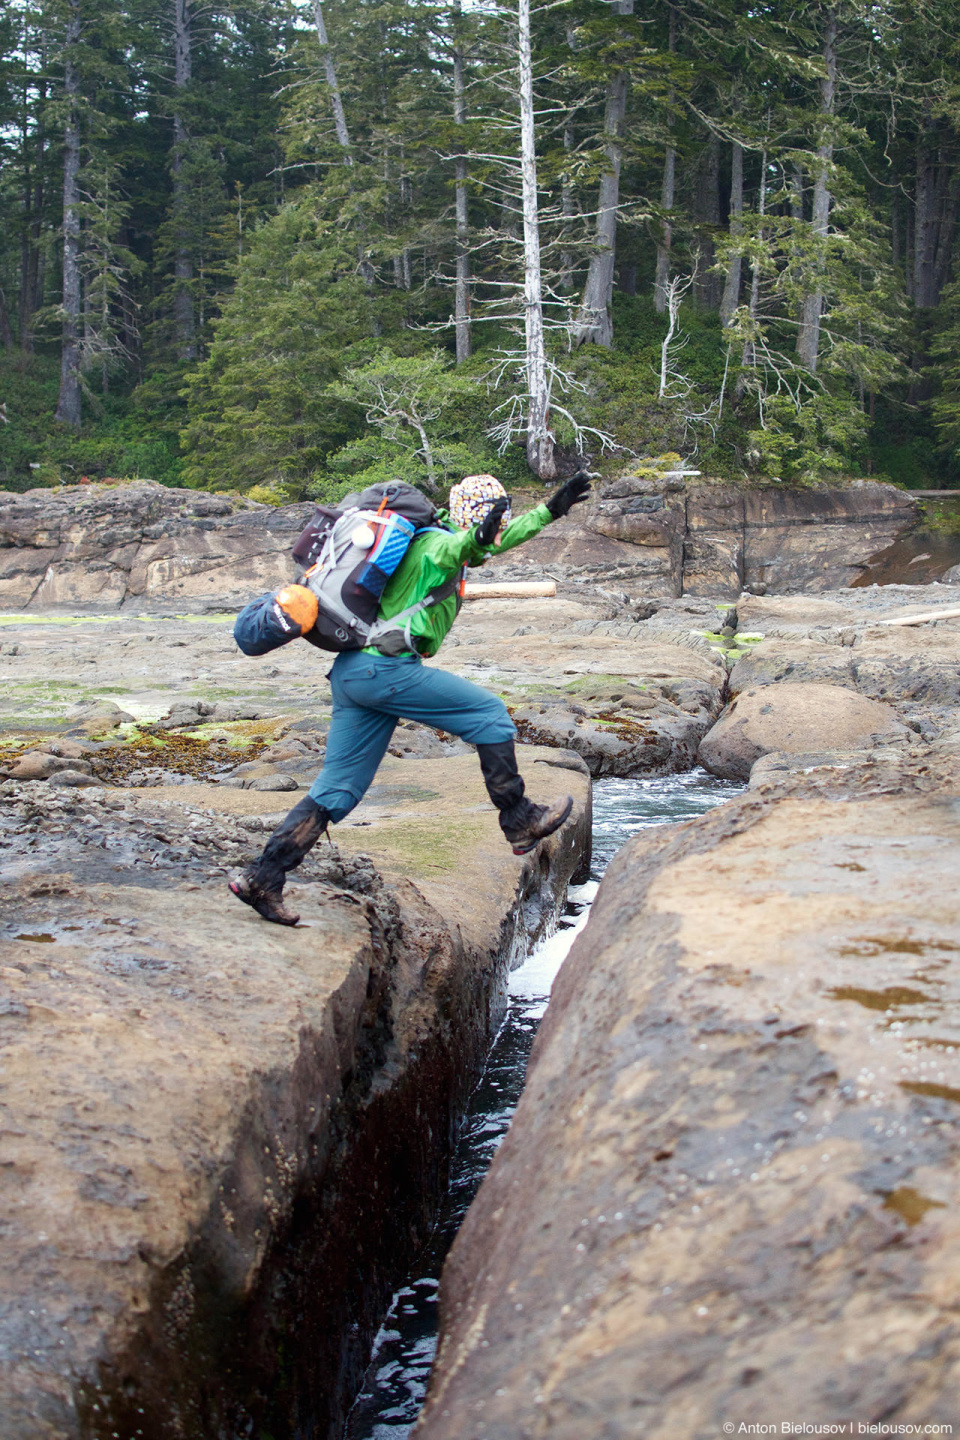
351	552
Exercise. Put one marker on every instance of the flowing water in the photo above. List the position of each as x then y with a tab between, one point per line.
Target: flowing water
396	1379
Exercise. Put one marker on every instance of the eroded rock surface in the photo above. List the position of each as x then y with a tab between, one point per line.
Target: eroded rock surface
667	537
728	1196
144	548
635	704
141	546
222	1139
796	719
843	642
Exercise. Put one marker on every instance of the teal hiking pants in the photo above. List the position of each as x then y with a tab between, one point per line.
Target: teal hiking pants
370	694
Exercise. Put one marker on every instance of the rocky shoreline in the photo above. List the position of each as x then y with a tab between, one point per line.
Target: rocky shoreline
144	549
728	1194
220	1109
223	1140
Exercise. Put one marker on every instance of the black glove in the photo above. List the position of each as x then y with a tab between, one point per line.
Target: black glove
489	527
576	490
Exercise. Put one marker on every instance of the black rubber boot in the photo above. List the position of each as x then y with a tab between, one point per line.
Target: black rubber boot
527	824
261	885
523	823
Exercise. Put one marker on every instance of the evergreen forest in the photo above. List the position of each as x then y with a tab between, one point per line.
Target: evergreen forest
286	249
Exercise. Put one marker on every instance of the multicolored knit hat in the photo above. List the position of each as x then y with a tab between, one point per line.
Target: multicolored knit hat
471	499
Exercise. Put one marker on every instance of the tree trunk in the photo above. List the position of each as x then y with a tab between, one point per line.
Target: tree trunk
183	316
540	443
948	189
462	290
895	241
69	404
568	207
924	229
594	321
749	357
731	286
667	193
6	334
336	103
796	193
707	287
808	337
31	260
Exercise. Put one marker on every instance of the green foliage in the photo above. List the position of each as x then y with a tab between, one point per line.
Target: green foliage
260	407
320	289
119	444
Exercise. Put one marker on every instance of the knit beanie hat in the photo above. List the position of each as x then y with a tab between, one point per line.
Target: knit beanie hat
472	498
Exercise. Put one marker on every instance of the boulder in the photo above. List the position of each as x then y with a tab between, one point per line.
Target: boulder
726	1203
892	663
203	1113
74	778
272	782
40	765
794	718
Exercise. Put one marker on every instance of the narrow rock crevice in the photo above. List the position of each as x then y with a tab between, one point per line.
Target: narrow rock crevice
264	1324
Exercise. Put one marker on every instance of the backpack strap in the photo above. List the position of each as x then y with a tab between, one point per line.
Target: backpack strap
387	635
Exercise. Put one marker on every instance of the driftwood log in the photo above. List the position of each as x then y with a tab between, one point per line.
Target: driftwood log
943	612
516	590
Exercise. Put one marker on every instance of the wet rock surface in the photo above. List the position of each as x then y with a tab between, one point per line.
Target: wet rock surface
728	1194
174	698
203	1112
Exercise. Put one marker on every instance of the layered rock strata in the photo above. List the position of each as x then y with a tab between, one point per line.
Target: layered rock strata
727	1197
141	546
147	549
671	537
222	1139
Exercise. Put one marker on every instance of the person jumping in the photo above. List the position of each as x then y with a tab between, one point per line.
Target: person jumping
372	691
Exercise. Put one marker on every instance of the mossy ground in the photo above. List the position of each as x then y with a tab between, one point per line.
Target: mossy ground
203	753
424	848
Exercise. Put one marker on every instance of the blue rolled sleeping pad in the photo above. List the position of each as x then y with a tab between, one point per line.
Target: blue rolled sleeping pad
264	625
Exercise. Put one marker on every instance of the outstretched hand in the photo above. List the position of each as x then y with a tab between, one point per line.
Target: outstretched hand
572	493
489	527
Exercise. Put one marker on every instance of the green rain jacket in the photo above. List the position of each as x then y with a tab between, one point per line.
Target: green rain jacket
431	560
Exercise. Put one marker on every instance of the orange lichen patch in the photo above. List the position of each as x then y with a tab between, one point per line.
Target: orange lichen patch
887	999
893	944
909	1203
927	1087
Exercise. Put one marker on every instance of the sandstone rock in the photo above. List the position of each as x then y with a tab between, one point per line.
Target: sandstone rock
794	718
226	710
97	718
202	1112
677	536
145	547
951	576
272	782
890	664
616	743
727	1195
74	778
69	749
39	765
